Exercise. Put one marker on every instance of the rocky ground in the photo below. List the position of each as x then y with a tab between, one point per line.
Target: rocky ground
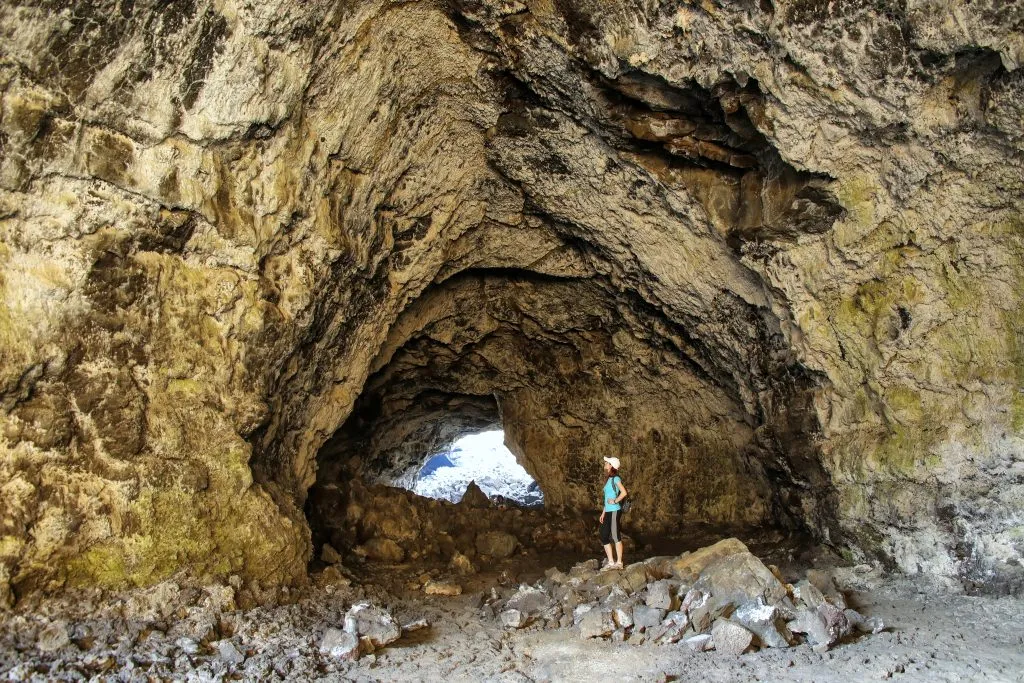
425	632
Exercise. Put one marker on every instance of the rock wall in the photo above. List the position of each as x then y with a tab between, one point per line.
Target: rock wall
770	252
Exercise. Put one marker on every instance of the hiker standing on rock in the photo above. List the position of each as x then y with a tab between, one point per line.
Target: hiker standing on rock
612	495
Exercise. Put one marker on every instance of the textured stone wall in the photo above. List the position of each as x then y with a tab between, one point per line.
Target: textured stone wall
784	236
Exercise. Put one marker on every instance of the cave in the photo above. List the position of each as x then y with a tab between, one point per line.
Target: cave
260	262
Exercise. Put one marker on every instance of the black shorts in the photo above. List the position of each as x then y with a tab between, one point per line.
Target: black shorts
610	528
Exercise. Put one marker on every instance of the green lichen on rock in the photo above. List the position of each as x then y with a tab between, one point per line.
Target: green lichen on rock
206	536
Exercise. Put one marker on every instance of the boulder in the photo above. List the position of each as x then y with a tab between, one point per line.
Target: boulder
694	599
661	566
731	638
415	625
661	595
340	644
688	566
862	577
329	555
616	597
555	576
765	622
383	550
372	623
474	497
673	628
596	623
739	578
623	617
449	588
634	577
837	625
582	610
530	600
701	642
228	653
811	625
647	617
513	618
864	624
332	576
497	544
53	637
823	626
584	571
187	645
462	564
823	581
808	594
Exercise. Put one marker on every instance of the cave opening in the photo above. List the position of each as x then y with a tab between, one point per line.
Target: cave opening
482	459
563	371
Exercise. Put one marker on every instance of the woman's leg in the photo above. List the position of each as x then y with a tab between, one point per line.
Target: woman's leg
616	534
606	537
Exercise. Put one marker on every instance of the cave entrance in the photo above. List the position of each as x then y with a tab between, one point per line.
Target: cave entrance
482	458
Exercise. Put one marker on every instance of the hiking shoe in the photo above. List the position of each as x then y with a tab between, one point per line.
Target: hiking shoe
608	566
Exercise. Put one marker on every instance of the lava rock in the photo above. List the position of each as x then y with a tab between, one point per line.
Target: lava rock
701	642
448	588
765	622
383	550
462	564
864	624
497	544
660	595
812	625
808	594
634	577
596	623
187	645
836	623
474	497
739	578
673	628
689	566
340	644
53	637
228	653
623	617
329	555
529	600
372	623
731	638
647	617
513	618
333	576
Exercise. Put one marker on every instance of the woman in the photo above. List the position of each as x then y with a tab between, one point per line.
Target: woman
612	494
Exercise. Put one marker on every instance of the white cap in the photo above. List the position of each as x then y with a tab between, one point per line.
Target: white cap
614	462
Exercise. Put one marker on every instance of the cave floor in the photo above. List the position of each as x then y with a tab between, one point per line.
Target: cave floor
174	633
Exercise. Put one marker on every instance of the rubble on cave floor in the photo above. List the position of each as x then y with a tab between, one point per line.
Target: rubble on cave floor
716	613
719	597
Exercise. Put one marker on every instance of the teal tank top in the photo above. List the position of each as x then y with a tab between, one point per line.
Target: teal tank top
611	490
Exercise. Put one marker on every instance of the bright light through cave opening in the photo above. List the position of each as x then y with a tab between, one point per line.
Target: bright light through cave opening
484	459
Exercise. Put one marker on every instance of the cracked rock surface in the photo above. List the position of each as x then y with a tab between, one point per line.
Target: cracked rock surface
768	253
